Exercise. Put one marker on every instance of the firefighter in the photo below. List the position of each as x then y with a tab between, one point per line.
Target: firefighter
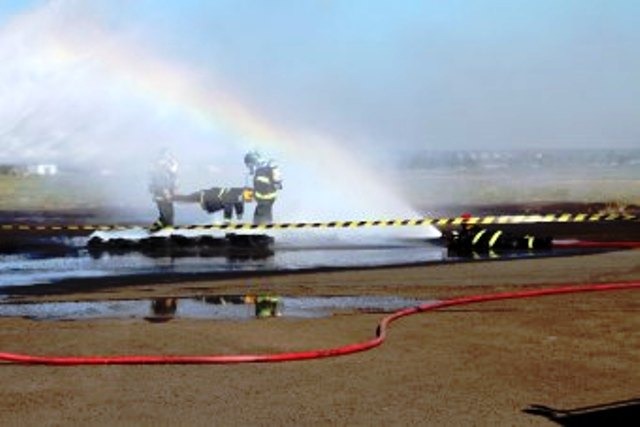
474	239
233	202
164	307
485	239
266	183
230	200
163	186
266	306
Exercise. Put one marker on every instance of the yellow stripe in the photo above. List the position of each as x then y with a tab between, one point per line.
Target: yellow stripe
564	218
264	196
533	218
529	241
494	238
503	219
487	220
477	237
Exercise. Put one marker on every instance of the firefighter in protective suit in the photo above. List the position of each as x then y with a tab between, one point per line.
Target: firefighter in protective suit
215	199
162	187
266	183
472	238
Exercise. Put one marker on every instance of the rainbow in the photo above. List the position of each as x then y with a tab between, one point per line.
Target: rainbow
207	103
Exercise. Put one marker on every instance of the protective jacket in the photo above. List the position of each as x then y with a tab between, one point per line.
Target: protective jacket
481	240
266	182
266	306
216	198
164	180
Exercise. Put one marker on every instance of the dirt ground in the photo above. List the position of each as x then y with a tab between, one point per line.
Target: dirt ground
472	365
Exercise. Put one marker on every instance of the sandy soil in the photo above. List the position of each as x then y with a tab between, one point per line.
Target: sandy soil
473	365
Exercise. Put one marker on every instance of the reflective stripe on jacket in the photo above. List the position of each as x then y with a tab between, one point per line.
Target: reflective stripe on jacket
264	196
264	185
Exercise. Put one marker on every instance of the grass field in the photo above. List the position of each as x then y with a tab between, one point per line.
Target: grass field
47	193
444	188
426	189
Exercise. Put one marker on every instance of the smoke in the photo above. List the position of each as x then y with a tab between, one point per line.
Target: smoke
83	92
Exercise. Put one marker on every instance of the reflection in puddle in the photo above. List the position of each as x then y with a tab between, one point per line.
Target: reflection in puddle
163	309
216	307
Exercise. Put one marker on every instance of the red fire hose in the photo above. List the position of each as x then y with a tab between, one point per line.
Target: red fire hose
569	244
311	354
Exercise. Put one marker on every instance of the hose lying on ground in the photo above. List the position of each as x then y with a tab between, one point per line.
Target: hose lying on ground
586	244
379	338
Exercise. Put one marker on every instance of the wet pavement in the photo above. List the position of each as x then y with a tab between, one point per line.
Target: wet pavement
77	261
25	270
48	260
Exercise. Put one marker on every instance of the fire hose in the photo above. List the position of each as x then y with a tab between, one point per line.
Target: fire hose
380	335
587	244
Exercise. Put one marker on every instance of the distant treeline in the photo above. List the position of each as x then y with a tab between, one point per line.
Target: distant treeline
528	159
12	170
23	170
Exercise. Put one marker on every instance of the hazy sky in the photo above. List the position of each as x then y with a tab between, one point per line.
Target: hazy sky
435	74
432	74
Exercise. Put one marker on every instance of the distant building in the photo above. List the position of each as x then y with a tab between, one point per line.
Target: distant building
42	169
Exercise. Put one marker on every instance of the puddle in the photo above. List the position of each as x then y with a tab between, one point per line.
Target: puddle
227	307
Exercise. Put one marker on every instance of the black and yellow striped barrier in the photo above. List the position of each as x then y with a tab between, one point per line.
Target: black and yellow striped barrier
499	219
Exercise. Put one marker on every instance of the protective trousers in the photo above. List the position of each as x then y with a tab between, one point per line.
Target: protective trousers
165	212
264	212
229	208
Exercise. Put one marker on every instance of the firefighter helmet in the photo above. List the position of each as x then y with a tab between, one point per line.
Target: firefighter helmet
252	159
